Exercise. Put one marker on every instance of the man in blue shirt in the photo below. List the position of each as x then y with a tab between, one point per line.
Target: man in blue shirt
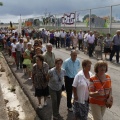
116	46
71	65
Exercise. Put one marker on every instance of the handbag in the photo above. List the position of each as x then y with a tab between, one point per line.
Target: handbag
110	102
98	48
63	87
26	62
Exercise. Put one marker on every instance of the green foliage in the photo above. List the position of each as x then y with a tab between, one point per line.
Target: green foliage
1	4
87	16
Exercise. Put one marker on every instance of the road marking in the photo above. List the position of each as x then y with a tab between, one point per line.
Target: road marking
89	114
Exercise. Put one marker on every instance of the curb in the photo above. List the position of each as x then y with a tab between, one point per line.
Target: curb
3	111
22	95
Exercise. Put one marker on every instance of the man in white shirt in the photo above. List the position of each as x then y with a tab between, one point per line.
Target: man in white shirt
71	37
90	40
80	40
57	38
19	51
62	35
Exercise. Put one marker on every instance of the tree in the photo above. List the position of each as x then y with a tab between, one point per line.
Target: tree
87	16
1	4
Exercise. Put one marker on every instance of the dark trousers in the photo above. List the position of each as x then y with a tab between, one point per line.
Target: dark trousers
115	50
68	86
19	59
80	42
52	41
62	42
57	42
90	49
67	42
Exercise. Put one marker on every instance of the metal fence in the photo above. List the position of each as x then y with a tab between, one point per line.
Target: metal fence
104	19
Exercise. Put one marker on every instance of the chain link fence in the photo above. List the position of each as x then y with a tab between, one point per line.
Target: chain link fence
103	19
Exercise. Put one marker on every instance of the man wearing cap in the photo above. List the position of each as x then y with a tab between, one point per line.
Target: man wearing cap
19	51
116	46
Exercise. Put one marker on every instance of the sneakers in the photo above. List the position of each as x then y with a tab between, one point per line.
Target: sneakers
70	109
45	103
40	106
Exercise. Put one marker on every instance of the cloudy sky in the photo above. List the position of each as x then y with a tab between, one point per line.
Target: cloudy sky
11	9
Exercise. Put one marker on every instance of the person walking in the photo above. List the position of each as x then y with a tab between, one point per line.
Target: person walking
80	40
49	56
28	59
90	40
19	52
71	66
13	47
39	72
116	46
57	38
107	45
81	91
100	90
56	81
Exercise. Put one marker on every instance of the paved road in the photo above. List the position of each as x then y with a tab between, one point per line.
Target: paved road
46	113
114	72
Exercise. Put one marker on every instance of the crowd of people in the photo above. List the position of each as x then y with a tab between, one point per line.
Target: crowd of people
51	75
91	43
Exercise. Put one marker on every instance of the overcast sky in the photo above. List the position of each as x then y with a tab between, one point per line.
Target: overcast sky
11	9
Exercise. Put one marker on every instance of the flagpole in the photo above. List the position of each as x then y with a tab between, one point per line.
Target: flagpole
19	26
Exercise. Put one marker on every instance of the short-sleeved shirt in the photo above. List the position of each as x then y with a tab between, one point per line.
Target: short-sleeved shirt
56	81
71	67
13	47
49	59
39	75
107	42
90	39
81	83
96	85
19	47
116	40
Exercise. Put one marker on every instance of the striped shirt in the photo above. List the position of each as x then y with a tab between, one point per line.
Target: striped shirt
96	85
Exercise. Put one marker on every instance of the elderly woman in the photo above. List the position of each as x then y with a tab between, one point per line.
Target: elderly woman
107	44
39	72
100	90
37	52
27	59
75	39
56	78
81	91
